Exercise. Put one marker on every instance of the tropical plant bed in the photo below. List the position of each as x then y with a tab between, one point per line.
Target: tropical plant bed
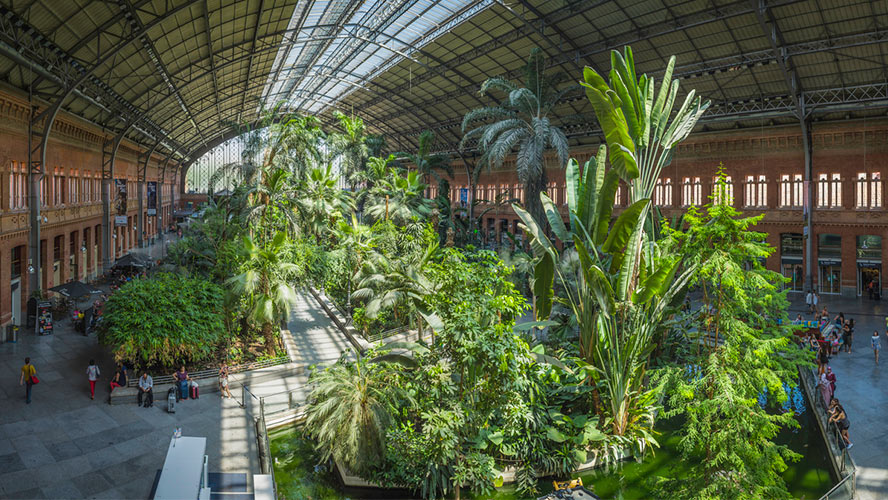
298	474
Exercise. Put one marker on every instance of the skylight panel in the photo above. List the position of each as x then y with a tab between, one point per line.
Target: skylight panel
330	56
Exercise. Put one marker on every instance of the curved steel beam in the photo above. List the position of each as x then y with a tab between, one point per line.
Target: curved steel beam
141	173
109	156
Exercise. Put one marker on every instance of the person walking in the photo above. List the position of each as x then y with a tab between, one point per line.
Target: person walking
877	344
28	378
823	384
814	300
146	387
850	334
92	373
223	381
831	377
809	301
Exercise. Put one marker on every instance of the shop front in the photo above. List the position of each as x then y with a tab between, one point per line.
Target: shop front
869	266
830	277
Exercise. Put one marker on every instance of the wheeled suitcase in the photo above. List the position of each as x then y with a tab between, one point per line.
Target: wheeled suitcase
171	400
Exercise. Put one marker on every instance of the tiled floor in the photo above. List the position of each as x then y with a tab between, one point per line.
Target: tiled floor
862	387
64	445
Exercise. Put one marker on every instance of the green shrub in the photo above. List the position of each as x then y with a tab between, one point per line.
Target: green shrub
165	320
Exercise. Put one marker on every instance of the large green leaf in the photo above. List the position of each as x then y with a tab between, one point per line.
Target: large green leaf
613	123
605	206
656	283
628	259
596	281
543	278
572	185
623	227
554	217
539	242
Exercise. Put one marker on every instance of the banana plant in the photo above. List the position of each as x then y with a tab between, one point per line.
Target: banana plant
636	122
627	283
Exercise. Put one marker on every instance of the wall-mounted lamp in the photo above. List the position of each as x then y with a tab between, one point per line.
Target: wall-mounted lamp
114	235
83	248
45	220
30	269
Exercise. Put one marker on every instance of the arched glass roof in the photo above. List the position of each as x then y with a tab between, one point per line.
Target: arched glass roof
177	74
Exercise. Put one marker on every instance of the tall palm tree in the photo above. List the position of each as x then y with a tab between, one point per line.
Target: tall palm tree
400	199
375	144
356	240
266	284
522	121
321	202
427	163
348	414
348	145
401	281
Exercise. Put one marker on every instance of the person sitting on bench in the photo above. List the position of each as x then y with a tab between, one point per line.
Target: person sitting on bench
146	386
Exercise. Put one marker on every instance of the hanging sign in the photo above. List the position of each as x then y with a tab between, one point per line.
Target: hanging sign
152	198
120	202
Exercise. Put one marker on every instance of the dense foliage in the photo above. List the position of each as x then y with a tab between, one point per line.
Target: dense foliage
539	357
164	320
733	352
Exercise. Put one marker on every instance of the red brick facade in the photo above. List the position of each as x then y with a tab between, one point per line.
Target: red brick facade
71	197
846	149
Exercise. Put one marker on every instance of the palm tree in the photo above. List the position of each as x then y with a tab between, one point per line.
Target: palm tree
265	282
522	121
388	283
348	415
321	202
296	144
427	163
356	240
348	145
375	144
400	199
270	200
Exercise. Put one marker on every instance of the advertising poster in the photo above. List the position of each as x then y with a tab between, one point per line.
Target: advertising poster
152	198
120	202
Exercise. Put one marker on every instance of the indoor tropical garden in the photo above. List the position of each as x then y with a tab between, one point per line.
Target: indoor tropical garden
651	358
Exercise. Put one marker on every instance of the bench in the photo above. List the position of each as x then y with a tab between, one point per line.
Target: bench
208	381
130	393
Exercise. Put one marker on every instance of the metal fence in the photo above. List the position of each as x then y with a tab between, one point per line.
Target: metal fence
275	408
846	488
133	381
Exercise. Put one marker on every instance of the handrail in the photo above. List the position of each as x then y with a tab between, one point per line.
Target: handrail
212	372
845	464
388	333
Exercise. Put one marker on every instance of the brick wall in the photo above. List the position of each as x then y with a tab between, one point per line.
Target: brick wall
73	166
847	148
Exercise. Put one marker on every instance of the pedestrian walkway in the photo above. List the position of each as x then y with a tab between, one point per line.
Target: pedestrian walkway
862	388
64	445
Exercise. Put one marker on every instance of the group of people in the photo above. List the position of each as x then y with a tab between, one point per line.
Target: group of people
145	396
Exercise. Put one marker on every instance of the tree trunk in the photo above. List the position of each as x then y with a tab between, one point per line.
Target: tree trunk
532	189
268	333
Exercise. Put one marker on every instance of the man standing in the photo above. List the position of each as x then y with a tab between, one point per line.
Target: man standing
809	301
146	386
28	373
814	301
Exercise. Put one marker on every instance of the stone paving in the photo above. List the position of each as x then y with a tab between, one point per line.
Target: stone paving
862	387
64	445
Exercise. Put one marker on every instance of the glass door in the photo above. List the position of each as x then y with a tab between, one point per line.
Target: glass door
869	280
830	279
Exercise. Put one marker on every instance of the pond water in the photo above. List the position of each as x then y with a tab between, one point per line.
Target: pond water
810	478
